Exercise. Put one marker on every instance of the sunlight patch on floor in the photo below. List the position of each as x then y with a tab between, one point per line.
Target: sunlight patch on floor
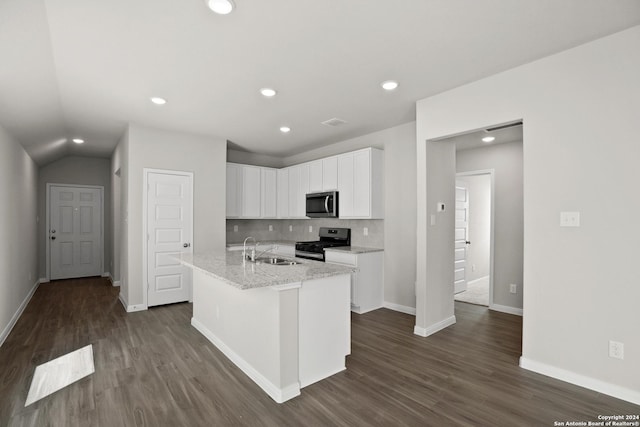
59	373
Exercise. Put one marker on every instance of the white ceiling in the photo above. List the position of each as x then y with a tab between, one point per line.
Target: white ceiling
471	140
86	68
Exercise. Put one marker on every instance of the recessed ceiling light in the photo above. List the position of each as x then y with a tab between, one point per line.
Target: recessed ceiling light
488	139
221	7
389	85
285	129
78	140
158	101
268	92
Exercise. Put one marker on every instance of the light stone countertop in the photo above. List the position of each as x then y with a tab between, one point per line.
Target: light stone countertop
266	242
231	268
353	249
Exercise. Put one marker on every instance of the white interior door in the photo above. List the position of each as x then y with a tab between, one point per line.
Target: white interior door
169	232
461	237
75	231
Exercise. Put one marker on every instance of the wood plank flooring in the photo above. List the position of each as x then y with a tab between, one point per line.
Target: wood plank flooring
154	369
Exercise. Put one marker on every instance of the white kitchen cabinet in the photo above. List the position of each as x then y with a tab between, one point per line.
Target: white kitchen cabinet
234	190
367	284
360	184
283	193
268	193
298	189
251	199
251	191
315	176
330	173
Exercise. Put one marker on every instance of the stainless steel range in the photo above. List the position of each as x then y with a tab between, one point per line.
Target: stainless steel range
329	238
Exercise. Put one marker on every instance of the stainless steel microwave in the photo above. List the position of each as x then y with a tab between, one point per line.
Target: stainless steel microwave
322	205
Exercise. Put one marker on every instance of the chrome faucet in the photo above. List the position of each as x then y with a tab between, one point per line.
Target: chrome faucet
252	257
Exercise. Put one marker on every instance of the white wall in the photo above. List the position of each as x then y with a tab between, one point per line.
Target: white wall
398	144
119	174
246	158
479	225
506	161
78	171
580	110
18	245
206	158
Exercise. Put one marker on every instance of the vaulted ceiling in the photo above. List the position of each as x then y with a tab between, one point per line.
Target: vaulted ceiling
78	68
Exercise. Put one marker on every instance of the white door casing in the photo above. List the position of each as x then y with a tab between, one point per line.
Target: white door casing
75	242
461	237
169	231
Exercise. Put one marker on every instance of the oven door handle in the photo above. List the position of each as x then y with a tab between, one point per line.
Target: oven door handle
326	204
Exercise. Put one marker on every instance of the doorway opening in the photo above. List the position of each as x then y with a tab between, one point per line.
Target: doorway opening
474	237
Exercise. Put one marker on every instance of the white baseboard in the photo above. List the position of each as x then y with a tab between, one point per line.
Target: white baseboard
43	280
115	282
130	308
425	332
613	390
400	308
280	395
7	330
471	282
506	309
107	274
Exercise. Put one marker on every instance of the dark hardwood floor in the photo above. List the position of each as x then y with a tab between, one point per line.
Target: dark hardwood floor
154	369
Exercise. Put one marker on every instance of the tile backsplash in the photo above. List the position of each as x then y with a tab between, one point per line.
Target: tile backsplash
297	230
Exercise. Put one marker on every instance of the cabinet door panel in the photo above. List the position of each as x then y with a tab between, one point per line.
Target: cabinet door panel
330	174
362	184
294	193
303	189
268	193
233	191
251	191
283	193
315	176
345	185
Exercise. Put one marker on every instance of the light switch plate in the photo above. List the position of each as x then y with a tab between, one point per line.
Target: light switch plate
433	219
311	229
569	219
235	228
365	230
270	227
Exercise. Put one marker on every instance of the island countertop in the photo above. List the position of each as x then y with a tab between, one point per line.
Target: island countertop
231	269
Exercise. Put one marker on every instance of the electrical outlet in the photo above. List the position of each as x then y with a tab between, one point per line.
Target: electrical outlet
513	288
616	350
365	231
473	267
235	228
569	219
311	229
270	227
290	228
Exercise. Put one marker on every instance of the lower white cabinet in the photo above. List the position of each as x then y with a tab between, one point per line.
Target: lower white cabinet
367	284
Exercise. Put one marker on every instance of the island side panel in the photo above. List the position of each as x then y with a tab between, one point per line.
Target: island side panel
246	326
325	327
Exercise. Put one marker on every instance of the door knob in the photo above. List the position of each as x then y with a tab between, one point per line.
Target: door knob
53	231
186	245
468	242
53	237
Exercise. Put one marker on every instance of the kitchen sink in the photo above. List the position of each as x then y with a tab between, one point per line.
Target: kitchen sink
275	260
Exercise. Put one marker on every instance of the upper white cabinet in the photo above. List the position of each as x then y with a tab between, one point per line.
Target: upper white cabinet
283	193
315	176
234	191
330	173
257	192
251	191
360	184
298	189
268	193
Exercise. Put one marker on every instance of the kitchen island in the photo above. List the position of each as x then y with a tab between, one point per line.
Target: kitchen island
285	326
